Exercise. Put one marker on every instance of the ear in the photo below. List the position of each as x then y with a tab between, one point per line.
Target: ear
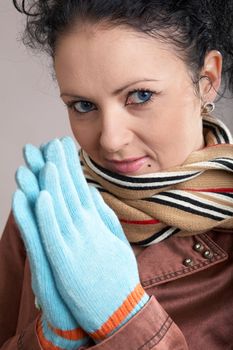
212	71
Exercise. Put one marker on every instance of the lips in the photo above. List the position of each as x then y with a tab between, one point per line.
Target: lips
127	166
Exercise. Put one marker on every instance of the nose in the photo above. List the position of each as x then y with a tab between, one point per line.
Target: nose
115	132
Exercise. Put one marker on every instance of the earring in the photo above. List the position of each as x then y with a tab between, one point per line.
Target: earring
208	108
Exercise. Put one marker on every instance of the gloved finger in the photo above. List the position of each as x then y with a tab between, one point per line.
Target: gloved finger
43	147
107	215
55	154
42	278
28	183
33	158
53	238
28	228
75	170
49	180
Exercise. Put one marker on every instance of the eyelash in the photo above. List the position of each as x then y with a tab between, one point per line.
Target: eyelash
71	104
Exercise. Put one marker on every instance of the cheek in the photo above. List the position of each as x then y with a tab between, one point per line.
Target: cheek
178	116
167	127
174	131
77	132
84	135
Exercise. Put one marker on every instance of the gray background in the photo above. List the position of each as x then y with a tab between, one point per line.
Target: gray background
30	109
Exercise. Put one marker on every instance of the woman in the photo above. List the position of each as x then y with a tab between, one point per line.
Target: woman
139	80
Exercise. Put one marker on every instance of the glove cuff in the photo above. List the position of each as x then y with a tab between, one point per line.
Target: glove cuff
51	338
131	305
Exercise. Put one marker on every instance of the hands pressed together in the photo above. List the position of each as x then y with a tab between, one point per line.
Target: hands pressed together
84	272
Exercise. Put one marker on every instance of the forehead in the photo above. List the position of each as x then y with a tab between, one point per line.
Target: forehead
106	56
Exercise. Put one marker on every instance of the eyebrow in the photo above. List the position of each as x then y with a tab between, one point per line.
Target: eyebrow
115	92
118	91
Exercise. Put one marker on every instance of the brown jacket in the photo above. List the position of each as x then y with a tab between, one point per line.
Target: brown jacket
191	278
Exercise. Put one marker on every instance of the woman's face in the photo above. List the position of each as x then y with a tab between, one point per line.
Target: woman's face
132	104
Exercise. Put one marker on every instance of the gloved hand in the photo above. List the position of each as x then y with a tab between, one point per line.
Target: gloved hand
57	326
95	270
42	278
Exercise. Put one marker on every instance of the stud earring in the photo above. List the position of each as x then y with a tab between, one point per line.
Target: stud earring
208	108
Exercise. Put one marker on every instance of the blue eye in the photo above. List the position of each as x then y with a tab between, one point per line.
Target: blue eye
140	96
82	106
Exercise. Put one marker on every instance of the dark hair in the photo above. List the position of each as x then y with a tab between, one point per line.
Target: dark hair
193	27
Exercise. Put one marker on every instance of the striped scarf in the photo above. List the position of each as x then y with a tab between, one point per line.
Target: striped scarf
186	200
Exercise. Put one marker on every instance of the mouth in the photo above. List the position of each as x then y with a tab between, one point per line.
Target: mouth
127	166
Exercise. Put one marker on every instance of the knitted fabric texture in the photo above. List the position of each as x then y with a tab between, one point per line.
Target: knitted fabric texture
186	200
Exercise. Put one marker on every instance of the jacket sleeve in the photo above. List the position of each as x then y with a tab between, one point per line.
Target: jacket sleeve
151	328
12	264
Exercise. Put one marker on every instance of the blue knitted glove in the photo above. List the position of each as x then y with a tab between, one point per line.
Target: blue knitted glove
95	271
57	328
27	182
